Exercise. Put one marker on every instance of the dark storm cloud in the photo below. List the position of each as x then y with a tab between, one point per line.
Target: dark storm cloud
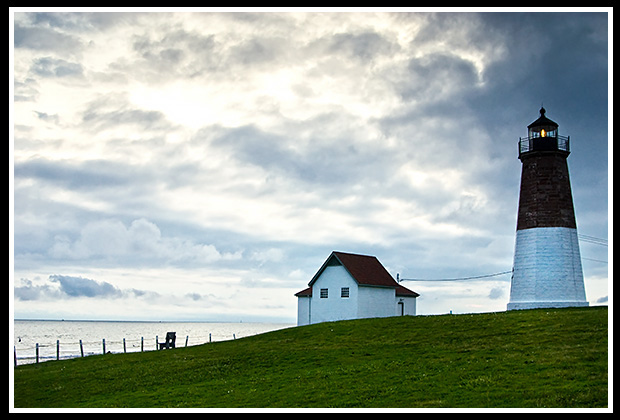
79	286
437	77
75	287
555	59
559	60
552	57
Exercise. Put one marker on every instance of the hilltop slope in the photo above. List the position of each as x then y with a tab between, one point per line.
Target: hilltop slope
534	358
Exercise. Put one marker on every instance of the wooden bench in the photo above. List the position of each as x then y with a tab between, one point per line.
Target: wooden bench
171	338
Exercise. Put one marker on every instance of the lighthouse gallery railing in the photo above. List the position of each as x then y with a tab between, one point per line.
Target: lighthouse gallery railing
536	143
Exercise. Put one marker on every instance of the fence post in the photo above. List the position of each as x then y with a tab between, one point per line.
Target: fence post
37	352
104	346
141	344
209	337
186	338
81	349
15	355
57	349
156	342
124	347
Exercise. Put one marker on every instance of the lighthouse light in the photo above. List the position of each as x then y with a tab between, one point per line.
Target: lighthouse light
542	133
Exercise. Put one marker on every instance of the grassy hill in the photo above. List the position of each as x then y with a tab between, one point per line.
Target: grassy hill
533	358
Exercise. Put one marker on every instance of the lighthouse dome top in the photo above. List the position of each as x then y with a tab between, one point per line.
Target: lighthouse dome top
543	121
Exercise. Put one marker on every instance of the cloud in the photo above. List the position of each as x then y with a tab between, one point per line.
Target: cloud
139	243
74	175
50	67
268	255
25	91
328	161
497	293
604	299
438	77
231	149
79	286
112	111
364	46
27	291
44	39
68	287
178	52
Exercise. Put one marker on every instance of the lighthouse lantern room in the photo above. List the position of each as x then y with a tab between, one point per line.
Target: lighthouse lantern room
543	136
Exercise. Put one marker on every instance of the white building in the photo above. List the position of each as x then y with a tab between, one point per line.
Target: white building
350	286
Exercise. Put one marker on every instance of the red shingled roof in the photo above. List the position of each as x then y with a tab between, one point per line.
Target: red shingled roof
366	270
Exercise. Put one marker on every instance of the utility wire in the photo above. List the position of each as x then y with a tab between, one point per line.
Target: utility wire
463	278
592	259
592	240
584	238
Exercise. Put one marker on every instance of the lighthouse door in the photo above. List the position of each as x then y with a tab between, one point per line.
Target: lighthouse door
401	308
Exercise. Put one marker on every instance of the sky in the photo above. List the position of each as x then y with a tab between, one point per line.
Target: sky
201	165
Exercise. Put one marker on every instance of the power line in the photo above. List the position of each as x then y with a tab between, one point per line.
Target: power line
592	259
584	238
463	278
593	240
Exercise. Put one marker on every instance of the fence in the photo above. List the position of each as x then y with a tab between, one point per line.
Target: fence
37	356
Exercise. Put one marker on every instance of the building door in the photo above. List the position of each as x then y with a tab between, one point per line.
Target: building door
401	308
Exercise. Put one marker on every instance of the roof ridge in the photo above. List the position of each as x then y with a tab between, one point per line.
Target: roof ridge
366	270
352	253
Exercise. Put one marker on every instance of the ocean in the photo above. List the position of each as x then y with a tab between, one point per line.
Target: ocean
62	338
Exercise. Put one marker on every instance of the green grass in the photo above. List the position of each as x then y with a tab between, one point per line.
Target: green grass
534	358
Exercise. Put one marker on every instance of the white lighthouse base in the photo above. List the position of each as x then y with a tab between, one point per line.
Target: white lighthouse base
514	306
547	269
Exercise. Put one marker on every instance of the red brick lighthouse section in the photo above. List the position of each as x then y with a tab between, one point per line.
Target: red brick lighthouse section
547	269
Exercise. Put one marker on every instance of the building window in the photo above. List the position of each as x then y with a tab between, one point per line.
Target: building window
324	294
344	292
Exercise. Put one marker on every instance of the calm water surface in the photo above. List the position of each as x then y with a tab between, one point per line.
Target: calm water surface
138	336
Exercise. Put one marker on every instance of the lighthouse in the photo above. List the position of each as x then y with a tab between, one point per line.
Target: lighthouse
547	269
